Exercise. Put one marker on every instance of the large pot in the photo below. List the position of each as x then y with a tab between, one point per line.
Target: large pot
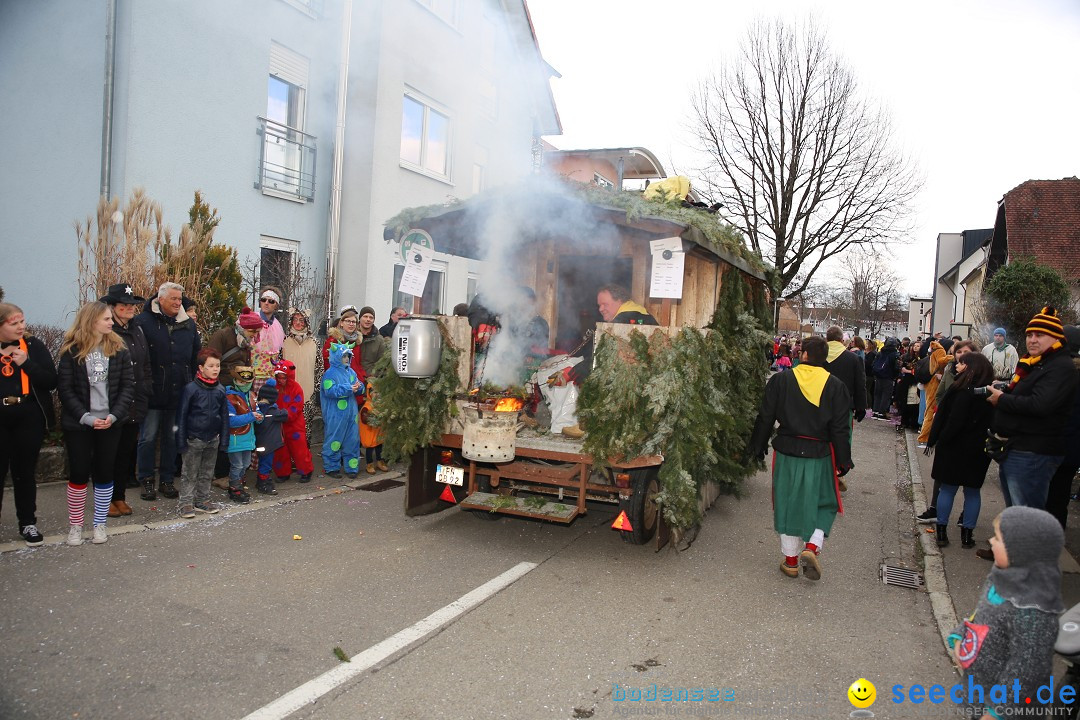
489	436
417	347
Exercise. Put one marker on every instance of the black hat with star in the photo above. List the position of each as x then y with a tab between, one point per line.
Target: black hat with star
122	293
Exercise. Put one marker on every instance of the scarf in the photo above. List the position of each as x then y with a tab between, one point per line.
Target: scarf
811	379
205	380
352	337
836	349
1033	540
1028	362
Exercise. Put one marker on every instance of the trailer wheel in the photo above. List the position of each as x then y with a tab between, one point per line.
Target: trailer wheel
641	508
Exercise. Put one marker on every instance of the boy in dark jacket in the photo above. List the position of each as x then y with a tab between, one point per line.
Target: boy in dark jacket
203	427
268	437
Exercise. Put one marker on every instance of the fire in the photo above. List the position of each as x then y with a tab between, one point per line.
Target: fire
509	405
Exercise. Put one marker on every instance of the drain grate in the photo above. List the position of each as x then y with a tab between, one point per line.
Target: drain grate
902	576
381	485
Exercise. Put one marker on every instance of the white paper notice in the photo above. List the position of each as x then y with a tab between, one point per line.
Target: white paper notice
674	244
667	274
417	266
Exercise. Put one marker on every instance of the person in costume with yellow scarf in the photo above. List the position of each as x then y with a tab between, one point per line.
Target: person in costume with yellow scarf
811	452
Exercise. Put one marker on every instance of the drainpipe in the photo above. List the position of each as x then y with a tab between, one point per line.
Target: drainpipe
107	103
334	235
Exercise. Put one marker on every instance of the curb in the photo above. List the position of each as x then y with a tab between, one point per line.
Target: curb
937	585
226	511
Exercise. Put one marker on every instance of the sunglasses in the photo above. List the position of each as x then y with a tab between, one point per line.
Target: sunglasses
268	300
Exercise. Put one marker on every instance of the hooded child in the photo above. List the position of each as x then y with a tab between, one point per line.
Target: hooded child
1009	640
294	451
371	436
337	396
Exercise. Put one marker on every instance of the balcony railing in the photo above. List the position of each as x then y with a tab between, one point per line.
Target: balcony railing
286	161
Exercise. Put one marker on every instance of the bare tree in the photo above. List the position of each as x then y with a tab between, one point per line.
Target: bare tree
803	162
870	294
294	274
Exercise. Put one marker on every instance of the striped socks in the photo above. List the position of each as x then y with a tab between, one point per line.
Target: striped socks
76	497
102	498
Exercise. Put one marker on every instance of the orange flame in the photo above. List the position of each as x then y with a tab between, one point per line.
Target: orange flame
509	405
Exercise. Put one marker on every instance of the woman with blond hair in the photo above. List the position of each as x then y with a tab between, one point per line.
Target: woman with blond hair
96	386
27	378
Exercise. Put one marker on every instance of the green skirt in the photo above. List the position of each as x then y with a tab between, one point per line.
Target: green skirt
804	495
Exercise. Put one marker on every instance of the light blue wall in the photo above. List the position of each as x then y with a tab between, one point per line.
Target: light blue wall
191	80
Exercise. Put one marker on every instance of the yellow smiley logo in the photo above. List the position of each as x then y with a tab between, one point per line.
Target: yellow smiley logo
862	693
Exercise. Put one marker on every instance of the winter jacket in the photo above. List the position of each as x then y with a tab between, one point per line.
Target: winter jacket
203	414
958	437
40	372
370	349
174	347
887	364
1033	414
241	421
225	341
1072	428
133	337
73	386
268	437
848	368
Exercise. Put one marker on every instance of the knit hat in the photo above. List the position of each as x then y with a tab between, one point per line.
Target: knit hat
250	320
268	392
366	310
1000	331
1047	321
1033	540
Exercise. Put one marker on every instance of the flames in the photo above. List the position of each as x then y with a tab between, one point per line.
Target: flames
509	405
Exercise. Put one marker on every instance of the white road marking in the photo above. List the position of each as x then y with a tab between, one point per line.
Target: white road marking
314	689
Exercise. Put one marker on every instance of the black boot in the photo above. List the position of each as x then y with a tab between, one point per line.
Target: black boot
967	537
942	535
148	493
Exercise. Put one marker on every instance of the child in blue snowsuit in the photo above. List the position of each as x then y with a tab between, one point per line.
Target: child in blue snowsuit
268	437
341	434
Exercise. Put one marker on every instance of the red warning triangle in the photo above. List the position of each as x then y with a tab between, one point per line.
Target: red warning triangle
622	522
448	495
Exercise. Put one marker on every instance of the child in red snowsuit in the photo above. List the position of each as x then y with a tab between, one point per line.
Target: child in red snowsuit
294	430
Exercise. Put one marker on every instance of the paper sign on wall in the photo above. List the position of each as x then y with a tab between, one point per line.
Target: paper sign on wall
417	265
668	262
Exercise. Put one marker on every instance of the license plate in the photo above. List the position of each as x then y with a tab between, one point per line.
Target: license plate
450	475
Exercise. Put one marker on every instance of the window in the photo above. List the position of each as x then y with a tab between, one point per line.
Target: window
470	287
602	181
425	138
480	159
288	153
431	302
277	262
446	9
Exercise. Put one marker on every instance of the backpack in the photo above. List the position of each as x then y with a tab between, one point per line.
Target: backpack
881	364
922	371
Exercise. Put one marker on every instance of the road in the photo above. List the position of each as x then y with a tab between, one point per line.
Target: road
220	617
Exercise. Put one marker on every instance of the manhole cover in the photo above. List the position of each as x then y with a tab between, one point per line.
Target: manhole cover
902	576
381	485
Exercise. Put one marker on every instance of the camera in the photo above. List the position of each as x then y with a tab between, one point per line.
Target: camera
984	391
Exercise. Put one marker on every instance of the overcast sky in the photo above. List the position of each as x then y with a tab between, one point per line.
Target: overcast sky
984	94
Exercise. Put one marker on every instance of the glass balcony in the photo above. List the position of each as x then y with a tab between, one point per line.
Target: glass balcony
286	162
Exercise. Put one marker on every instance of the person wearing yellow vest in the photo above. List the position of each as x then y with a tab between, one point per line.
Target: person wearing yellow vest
27	379
811	451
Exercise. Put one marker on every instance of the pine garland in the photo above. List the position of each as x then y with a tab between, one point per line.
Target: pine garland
413	412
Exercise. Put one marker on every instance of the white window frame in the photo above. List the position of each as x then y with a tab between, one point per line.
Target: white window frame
293	69
602	181
428	105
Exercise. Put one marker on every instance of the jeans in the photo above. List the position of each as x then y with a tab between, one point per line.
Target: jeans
883	389
198	471
1025	477
972	505
239	461
158	422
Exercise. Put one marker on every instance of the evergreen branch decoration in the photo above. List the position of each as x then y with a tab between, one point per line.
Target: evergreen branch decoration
414	411
691	397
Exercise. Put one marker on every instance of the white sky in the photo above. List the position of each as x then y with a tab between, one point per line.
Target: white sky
984	94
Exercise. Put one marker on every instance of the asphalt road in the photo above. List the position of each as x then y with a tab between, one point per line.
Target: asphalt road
220	617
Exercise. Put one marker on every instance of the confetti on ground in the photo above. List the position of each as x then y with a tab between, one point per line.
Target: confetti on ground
191	566
297	537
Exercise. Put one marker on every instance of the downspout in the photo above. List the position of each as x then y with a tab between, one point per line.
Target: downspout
334	235
107	103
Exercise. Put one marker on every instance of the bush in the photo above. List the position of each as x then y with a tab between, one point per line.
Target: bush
1020	289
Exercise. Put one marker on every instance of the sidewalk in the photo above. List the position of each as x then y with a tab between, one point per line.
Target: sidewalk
954	575
164	513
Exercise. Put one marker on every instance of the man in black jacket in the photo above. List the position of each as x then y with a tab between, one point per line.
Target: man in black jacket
1031	415
174	346
848	367
811	450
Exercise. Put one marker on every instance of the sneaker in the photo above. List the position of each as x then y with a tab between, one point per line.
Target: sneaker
187	511
207	508
306	477
930	516
266	487
100	536
31	535
148	493
237	495
811	566
74	537
169	491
